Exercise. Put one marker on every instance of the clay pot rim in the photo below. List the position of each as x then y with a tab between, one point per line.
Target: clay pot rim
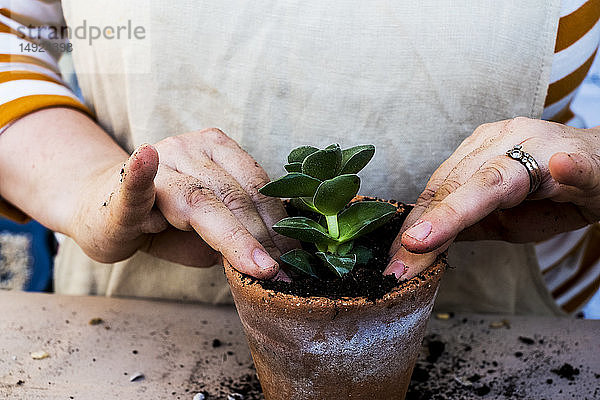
249	284
252	287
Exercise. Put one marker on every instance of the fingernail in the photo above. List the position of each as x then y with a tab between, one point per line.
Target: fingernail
419	231
397	268
263	259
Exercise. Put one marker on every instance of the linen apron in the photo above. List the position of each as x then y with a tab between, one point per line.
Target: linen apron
413	78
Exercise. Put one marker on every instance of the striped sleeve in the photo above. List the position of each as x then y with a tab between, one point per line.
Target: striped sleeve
29	50
576	46
570	265
29	75
570	262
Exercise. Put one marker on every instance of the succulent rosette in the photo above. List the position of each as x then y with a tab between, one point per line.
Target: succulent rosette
325	181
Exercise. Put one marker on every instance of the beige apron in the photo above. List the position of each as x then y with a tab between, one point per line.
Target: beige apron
413	78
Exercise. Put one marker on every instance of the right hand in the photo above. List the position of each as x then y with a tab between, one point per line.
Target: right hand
185	199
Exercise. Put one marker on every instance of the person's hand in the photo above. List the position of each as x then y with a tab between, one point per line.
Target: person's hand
185	199
480	193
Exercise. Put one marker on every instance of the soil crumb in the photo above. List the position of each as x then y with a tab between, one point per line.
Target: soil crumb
526	340
566	371
436	348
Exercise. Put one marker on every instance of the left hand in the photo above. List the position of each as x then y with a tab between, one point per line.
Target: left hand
184	199
480	193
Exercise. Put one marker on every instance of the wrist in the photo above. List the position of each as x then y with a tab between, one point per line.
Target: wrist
48	160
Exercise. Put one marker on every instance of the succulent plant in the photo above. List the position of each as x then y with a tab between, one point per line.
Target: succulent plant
324	181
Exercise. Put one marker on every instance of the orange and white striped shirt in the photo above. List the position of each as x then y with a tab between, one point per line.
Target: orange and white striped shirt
570	262
576	46
30	80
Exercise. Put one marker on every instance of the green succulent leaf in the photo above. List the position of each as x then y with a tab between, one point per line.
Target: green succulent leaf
293	167
334	194
293	184
323	164
303	229
343	249
363	254
298	204
321	246
300	153
363	217
339	265
301	260
308	201
356	158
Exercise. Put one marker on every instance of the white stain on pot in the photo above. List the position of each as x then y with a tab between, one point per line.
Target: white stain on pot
373	342
369	333
376	348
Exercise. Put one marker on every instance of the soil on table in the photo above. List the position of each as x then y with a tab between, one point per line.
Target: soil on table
446	368
457	366
364	280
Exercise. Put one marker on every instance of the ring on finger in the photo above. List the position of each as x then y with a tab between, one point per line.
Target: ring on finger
533	168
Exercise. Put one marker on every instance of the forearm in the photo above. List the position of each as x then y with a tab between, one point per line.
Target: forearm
47	159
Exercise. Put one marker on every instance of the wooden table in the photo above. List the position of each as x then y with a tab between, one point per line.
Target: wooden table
184	349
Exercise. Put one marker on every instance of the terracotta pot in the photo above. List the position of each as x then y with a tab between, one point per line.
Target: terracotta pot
317	348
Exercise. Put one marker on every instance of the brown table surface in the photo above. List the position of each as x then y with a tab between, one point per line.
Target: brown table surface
182	349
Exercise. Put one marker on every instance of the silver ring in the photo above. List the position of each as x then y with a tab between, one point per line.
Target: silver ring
533	169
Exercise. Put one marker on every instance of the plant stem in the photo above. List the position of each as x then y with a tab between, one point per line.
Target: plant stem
332	226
